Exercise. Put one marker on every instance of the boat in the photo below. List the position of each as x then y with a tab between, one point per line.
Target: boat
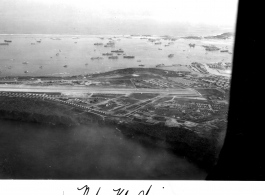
86	64
110	43
96	58
158	43
65	66
118	51
141	65
107	54
8	41
128	56
98	43
171	55
9	67
26	71
4	44
113	57
159	49
32	43
225	50
151	40
39	41
24	62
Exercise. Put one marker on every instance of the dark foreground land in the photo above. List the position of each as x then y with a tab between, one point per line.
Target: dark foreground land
201	144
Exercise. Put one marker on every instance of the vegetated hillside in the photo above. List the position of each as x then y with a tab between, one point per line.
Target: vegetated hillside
202	150
42	111
130	71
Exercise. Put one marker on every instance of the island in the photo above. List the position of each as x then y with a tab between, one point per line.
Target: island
221	36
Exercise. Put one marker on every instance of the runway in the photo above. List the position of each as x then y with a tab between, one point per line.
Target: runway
81	89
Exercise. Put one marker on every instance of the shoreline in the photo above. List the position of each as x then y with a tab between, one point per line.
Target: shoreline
91	75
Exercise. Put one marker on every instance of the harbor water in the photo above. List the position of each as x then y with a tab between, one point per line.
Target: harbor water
65	55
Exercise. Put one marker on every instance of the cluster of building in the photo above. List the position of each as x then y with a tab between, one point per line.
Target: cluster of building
157	112
159	82
55	98
190	110
70	82
219	81
144	117
220	65
199	67
153	83
200	85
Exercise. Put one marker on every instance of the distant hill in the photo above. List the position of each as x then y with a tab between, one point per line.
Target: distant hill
226	35
192	37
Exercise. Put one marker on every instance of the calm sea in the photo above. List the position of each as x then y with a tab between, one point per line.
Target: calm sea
77	55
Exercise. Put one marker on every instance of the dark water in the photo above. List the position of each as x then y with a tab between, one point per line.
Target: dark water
35	151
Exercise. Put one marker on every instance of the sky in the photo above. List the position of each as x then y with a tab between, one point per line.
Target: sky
113	16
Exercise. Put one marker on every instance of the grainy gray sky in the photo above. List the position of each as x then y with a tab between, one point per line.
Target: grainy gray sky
112	16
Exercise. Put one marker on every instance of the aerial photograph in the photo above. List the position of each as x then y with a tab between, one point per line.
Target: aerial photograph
126	90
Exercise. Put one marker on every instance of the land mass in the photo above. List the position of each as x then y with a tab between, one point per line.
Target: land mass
221	36
182	110
226	35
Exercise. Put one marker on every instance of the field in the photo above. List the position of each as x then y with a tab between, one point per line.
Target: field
211	92
180	80
105	95
126	100
175	68
108	106
121	82
143	96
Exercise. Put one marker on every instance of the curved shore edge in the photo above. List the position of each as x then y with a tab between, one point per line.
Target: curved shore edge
201	150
